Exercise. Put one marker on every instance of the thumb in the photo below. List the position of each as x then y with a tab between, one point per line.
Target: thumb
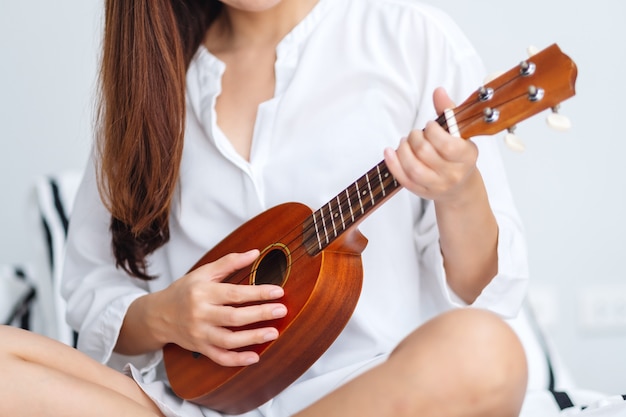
227	264
441	100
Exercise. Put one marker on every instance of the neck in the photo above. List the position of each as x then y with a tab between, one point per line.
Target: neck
236	29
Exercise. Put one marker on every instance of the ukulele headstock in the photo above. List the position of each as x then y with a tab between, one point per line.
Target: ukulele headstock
541	82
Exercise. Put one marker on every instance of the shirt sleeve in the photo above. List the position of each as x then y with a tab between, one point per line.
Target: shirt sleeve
505	293
97	293
461	72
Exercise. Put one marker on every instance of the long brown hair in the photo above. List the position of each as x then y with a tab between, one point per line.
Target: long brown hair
147	47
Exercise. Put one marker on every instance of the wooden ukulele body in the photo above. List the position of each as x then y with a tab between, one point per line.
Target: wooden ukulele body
321	292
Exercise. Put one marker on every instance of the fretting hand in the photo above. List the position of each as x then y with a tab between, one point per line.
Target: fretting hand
432	163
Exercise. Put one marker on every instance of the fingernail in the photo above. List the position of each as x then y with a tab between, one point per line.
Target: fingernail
277	293
251	361
270	336
279	312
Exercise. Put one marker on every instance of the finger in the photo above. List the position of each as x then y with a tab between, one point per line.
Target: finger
241	316
226	357
236	339
409	175
423	149
447	147
227	264
233	294
441	100
419	160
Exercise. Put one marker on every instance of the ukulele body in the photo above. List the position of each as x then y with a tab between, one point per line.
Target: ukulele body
321	292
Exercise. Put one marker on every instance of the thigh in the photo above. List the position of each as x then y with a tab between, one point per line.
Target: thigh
46	365
465	362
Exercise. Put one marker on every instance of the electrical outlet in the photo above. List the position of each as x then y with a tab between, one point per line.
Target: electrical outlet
603	307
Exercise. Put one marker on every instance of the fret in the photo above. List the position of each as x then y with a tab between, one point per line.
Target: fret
350	205
317	232
363	193
343	223
380	180
324	224
369	187
332	217
385	174
358	194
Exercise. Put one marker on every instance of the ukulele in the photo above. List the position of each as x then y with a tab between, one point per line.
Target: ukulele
316	256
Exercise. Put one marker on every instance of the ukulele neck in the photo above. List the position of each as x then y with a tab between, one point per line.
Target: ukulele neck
348	208
355	203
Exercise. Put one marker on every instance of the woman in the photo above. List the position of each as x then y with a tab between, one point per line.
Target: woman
212	112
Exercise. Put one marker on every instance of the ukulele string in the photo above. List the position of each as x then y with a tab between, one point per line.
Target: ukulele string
458	111
369	198
380	190
327	237
523	96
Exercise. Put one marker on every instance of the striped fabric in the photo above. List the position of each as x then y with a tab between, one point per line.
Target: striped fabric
54	199
575	402
17	294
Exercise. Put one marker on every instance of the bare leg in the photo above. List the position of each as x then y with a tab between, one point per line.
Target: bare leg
465	362
41	376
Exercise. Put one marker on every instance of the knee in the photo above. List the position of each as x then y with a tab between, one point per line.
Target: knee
495	360
484	343
474	353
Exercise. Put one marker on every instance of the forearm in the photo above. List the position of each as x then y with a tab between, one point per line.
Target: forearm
468	239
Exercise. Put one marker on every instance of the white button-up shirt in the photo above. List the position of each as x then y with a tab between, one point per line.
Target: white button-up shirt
351	79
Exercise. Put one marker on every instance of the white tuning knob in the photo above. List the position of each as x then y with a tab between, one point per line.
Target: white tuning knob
532	50
514	142
490	77
558	122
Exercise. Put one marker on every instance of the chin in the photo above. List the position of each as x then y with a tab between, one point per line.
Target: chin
252	5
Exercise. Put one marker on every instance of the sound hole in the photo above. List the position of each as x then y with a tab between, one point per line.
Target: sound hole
272	268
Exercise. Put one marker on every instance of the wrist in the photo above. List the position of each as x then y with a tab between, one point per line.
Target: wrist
469	192
143	329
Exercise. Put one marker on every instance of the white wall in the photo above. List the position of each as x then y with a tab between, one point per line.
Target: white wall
48	55
569	187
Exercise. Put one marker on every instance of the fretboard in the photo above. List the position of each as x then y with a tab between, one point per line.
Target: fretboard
354	203
348	208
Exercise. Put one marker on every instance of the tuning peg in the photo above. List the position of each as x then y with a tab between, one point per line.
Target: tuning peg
490	77
513	141
557	121
532	50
